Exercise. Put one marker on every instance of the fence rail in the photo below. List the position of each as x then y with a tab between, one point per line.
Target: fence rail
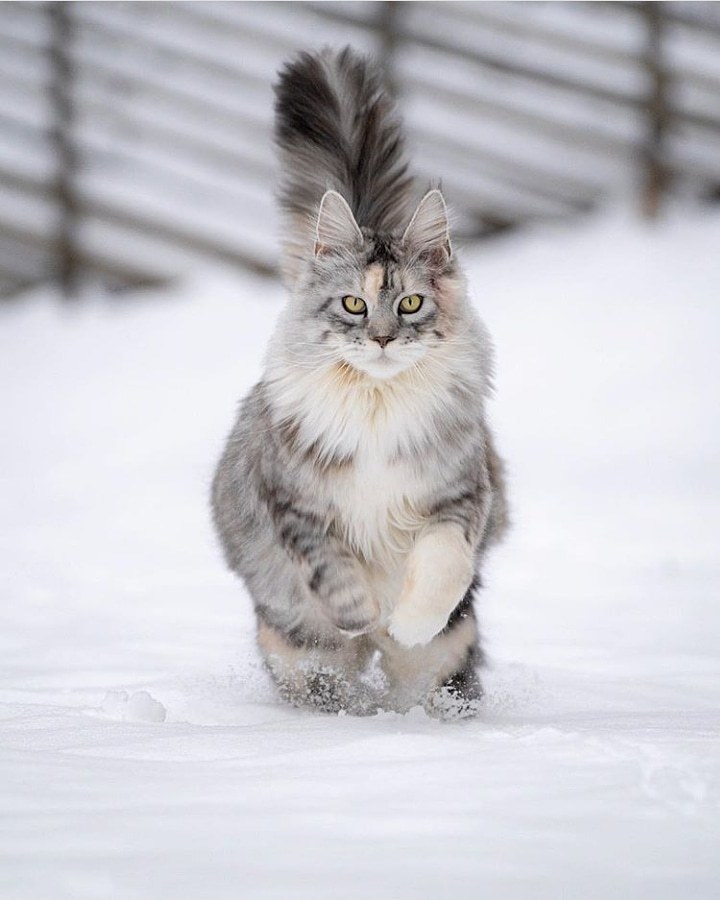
135	139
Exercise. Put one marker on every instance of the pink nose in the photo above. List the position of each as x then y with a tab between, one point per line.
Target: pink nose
384	339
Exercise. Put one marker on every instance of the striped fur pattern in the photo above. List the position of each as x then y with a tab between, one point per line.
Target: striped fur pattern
360	486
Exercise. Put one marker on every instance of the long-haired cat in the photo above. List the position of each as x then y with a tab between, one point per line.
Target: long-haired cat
360	486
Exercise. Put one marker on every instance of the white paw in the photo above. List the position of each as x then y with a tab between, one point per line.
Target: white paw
411	628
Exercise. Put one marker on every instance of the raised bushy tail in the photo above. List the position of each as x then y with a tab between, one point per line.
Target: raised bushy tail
337	130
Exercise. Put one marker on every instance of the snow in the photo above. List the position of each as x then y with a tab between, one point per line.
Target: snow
143	753
137	707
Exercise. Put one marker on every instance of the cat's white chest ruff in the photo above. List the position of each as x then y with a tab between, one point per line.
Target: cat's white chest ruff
374	430
376	504
378	496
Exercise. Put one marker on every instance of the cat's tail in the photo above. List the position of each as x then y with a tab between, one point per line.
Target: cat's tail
337	129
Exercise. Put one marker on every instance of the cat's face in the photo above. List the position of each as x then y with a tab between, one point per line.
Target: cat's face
378	311
378	303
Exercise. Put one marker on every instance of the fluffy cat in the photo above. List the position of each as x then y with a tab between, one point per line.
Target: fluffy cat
360	486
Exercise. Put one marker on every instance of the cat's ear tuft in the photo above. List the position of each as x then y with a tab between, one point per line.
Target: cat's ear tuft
336	226
429	229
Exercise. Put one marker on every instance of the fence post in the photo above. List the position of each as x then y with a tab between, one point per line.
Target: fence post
61	98
387	28
655	173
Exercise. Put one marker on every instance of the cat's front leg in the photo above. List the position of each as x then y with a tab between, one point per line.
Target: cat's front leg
338	583
332	574
439	572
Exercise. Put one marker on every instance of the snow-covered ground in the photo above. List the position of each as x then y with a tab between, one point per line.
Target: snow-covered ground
143	754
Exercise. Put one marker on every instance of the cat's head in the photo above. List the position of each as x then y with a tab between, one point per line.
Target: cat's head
380	302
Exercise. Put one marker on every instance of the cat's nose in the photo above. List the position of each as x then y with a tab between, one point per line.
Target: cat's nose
384	339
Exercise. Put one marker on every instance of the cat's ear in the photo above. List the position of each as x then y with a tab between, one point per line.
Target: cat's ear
336	226
429	229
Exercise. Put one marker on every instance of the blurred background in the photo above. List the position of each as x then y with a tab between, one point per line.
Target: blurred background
136	138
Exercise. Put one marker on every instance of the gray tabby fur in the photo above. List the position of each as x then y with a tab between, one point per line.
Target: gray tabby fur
360	486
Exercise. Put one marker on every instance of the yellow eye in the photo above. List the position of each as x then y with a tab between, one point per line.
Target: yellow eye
411	303
354	305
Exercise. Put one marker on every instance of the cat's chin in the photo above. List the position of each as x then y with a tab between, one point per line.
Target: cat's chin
382	368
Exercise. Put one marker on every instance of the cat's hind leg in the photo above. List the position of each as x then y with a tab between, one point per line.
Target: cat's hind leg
459	696
320	671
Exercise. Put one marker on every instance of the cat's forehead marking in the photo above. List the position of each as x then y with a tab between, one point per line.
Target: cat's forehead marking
373	281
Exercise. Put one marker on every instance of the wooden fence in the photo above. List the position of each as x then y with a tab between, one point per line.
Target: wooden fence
135	138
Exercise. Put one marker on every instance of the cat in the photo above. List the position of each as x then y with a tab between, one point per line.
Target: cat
360	486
